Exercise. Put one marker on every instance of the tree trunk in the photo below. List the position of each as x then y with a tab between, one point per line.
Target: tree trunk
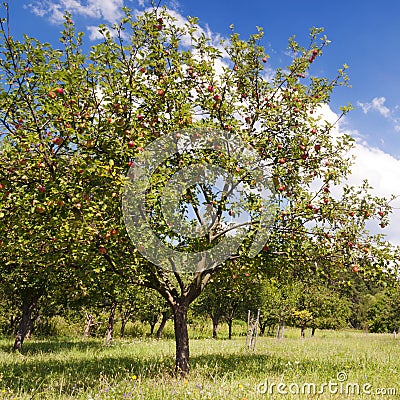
111	319
281	330
152	326
263	326
313	328
165	316
215	322
124	320
31	323
229	321
303	328
89	324
28	305
123	325
181	339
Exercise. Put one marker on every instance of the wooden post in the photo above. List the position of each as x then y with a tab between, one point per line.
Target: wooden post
248	329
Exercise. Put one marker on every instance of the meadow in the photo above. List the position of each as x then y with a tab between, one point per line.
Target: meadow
338	364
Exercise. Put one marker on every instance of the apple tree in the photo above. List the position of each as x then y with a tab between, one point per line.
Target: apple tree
228	296
175	125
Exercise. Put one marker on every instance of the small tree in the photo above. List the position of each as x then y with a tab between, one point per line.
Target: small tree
228	296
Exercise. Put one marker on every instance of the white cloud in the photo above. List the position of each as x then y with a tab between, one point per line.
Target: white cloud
377	104
94	33
108	10
380	169
383	173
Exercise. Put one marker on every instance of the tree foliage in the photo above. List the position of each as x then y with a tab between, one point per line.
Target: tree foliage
74	121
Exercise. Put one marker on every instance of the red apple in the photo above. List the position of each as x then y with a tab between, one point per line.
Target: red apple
114	232
217	97
326	200
131	144
264	59
52	95
317	147
58	141
310	206
160	92
102	250
41	189
381	213
59	90
355	268
210	88
2	186
142	70
282	160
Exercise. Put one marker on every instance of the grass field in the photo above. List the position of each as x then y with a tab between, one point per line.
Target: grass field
68	368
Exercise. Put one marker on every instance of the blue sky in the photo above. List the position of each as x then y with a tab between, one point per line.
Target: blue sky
364	34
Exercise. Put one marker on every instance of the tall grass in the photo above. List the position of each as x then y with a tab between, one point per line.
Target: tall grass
70	368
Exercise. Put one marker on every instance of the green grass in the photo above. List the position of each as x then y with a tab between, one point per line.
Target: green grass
68	368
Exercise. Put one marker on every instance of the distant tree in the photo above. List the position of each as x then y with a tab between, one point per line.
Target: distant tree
319	307
229	295
383	312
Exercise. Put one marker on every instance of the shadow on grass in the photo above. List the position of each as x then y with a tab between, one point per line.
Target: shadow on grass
52	346
93	364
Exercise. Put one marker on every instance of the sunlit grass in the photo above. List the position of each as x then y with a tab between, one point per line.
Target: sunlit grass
220	369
